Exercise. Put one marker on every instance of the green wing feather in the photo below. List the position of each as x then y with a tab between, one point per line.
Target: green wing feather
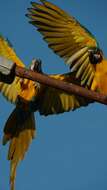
65	36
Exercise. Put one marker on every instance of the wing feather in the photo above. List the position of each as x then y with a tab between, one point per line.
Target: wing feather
58	100
64	34
8	52
10	91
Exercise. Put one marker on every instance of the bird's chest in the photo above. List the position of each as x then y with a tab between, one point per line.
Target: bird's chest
101	80
28	90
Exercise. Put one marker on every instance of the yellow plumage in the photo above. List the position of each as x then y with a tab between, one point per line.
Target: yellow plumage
79	49
26	90
7	51
100	78
64	35
10	91
12	131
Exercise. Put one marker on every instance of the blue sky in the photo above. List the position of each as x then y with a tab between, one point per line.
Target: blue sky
70	151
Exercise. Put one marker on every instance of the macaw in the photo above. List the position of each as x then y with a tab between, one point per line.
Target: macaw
71	41
79	49
30	96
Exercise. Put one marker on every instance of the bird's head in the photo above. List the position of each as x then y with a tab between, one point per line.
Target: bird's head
36	65
95	55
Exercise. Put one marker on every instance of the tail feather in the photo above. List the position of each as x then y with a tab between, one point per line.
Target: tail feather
19	130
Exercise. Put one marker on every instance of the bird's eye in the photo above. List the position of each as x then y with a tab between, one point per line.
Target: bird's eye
95	55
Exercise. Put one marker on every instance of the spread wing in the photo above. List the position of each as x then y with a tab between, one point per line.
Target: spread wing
10	91
66	36
54	101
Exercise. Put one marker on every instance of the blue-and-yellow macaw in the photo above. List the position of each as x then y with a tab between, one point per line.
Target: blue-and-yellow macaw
80	51
29	96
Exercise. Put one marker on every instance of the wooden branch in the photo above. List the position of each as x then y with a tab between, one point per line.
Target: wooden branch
8	70
67	87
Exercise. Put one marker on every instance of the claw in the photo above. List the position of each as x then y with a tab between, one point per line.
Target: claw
36	65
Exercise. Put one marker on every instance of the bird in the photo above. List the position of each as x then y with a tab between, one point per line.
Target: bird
72	41
29	97
81	53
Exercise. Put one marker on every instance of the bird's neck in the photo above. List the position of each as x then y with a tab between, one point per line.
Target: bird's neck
100	79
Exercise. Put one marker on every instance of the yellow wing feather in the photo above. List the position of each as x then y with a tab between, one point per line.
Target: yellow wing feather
65	36
8	52
19	130
10	91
